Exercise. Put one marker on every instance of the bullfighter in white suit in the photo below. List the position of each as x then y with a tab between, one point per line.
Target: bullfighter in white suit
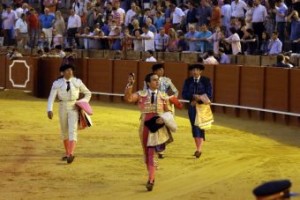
67	88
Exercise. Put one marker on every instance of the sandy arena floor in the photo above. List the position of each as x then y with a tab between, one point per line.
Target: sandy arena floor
238	155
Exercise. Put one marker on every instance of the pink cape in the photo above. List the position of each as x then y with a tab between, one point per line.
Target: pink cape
85	106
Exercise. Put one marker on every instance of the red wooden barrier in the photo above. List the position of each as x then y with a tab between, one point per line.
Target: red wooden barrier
144	69
2	71
294	93
21	74
252	90
276	92
121	70
48	71
99	73
227	80
178	72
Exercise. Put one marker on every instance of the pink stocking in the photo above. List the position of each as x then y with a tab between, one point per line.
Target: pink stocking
150	164
66	145
72	144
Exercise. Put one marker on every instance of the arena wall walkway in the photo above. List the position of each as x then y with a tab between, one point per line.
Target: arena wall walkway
247	91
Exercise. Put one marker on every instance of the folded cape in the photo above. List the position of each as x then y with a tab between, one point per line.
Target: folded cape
84	105
152	125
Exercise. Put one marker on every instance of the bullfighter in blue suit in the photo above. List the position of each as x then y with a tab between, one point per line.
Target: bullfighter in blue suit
193	88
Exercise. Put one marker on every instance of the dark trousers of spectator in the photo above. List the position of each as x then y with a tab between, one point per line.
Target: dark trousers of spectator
281	32
33	37
296	47
176	26
258	28
71	36
8	37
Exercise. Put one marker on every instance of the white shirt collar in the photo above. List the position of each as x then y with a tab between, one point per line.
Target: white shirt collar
67	80
197	78
150	91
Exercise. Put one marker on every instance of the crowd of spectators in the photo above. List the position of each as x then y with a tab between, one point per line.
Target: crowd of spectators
214	27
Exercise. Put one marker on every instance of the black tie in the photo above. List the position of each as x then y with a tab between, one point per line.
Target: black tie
152	97
195	86
68	86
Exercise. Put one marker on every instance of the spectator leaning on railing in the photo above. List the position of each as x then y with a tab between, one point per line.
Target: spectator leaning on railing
212	21
275	45
148	39
161	40
193	38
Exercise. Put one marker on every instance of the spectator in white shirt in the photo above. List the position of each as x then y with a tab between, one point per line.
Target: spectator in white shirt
19	11
150	57
177	16
226	14
120	10
129	15
258	17
238	8
148	39
235	41
22	31
74	24
210	60
77	6
249	13
8	20
137	41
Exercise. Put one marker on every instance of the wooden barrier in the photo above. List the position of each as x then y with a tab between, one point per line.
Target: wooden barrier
100	77
233	59
209	72
81	69
21	74
121	70
92	53
240	59
255	86
294	94
276	92
160	56
2	71
172	56
144	55
252	90
48	71
251	60
189	57
226	87
143	69
178	72
268	60
133	55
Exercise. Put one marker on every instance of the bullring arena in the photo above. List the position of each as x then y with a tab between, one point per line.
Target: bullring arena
255	137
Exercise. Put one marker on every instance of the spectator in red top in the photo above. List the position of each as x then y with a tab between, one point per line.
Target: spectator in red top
33	27
215	20
167	25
